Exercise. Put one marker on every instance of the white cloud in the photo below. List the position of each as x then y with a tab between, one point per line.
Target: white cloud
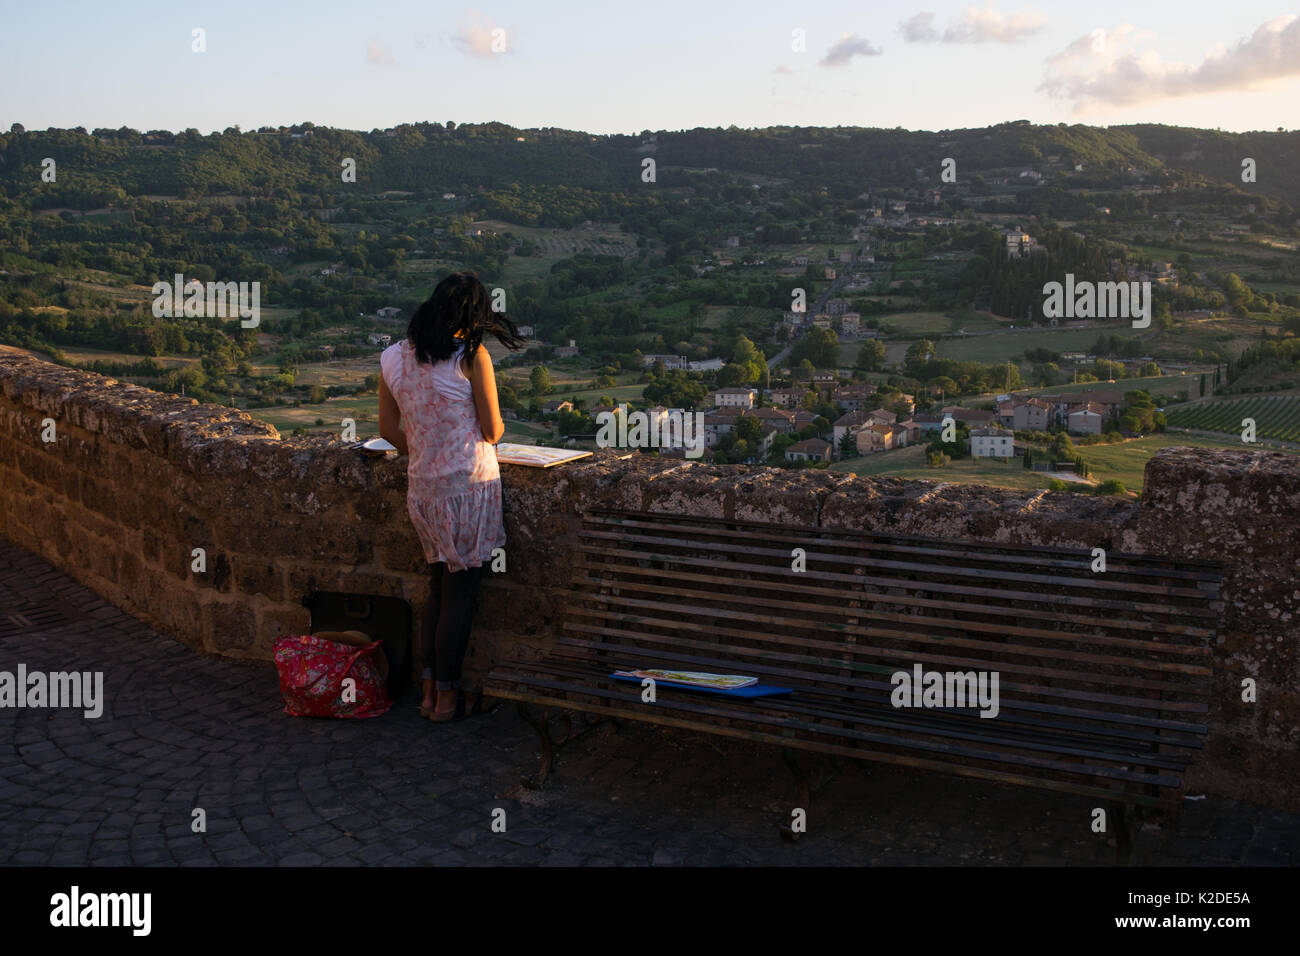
378	53
846	48
974	25
919	29
1107	68
478	37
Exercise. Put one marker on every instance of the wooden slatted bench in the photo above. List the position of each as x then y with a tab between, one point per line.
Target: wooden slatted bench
1103	676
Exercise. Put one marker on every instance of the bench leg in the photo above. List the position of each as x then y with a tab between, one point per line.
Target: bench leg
551	742
542	725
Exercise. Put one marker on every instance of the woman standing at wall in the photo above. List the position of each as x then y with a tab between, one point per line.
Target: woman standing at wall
438	406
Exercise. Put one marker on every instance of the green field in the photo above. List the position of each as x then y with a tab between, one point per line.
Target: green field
1124	461
909	463
1275	416
1000	346
332	411
1158	386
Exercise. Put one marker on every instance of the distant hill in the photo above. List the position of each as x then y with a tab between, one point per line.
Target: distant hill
100	166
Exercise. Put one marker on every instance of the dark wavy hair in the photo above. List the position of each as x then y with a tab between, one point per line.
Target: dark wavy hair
459	303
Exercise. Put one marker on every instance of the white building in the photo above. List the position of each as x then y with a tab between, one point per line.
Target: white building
992	443
734	397
706	365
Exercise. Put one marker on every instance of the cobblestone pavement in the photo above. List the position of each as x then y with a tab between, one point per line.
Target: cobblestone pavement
181	731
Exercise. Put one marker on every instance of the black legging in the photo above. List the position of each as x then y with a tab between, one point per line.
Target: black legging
448	614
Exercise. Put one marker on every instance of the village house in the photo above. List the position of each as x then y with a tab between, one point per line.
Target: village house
906	433
811	449
874	438
705	365
1086	419
837	306
1109	400
928	423
829	273
804	418
734	397
905	399
970	417
848	424
821	320
567	351
781	420
388	312
992	442
379	338
670	361
786	397
718	423
526	331
880	423
1032	415
1019	243
849	398
1007	412
850	324
556	406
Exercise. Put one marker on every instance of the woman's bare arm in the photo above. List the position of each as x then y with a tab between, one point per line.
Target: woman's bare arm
484	383
390	418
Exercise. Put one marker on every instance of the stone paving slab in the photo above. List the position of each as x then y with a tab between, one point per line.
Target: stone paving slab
182	731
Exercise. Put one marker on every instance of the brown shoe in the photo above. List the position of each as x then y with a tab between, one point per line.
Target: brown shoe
439	716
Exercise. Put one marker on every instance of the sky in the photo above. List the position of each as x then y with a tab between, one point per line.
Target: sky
624	67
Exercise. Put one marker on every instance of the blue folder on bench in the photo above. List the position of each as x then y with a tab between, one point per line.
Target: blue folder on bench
753	690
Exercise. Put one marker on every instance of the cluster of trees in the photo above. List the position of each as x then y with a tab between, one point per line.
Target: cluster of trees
956	377
1280	354
1140	414
1060	450
748	366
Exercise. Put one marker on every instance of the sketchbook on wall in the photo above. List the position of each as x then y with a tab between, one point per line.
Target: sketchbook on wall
537	456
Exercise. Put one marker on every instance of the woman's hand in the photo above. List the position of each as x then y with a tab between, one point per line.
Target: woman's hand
390	418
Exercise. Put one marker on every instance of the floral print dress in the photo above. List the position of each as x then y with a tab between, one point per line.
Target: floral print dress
453	481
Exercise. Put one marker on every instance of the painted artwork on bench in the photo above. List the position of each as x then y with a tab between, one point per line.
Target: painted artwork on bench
693	678
733	685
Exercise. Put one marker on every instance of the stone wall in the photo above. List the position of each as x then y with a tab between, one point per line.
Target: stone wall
135	480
